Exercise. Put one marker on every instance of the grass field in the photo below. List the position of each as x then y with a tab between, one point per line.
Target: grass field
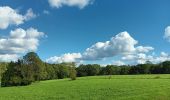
119	87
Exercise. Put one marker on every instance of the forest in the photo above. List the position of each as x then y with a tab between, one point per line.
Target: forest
32	69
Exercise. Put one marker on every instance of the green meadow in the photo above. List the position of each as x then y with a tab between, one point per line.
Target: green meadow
118	87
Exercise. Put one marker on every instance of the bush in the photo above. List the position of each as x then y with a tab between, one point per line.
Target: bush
73	73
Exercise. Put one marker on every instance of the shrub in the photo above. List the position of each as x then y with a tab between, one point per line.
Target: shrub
73	73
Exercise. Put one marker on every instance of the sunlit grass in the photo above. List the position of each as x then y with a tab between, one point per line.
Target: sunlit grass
119	87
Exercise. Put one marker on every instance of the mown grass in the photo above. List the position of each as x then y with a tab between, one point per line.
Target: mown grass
119	87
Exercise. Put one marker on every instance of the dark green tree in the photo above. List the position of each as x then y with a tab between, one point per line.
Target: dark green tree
124	70
73	73
51	73
63	71
165	67
37	67
3	68
112	70
15	75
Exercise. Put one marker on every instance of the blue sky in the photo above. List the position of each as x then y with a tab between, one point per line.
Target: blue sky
73	26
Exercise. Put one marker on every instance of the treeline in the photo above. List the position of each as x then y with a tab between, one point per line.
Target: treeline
31	68
148	68
3	67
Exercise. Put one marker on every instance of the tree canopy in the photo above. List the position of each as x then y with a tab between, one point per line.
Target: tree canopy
31	68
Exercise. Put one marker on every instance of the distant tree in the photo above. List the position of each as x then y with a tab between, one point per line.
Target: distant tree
134	70
93	69
31	68
88	70
144	68
51	72
102	71
56	70
73	73
165	67
82	70
24	71
148	62
124	70
3	68
15	75
116	70
112	70
63	71
156	69
32	60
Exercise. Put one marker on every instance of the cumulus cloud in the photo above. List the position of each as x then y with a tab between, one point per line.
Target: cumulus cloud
9	16
163	54
167	33
118	63
77	3
19	41
8	57
163	57
128	57
142	58
69	57
29	15
142	49
121	44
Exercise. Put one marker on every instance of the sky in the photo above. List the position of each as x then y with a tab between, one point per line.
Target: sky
86	31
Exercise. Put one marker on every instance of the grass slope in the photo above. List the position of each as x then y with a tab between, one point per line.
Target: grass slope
120	87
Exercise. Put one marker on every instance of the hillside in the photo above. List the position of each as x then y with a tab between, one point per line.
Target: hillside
119	87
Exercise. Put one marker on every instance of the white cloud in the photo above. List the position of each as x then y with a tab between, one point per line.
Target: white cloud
167	33
144	49
118	63
78	3
9	16
163	57
46	12
19	41
29	15
69	57
163	54
141	58
128	57
8	57
121	44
